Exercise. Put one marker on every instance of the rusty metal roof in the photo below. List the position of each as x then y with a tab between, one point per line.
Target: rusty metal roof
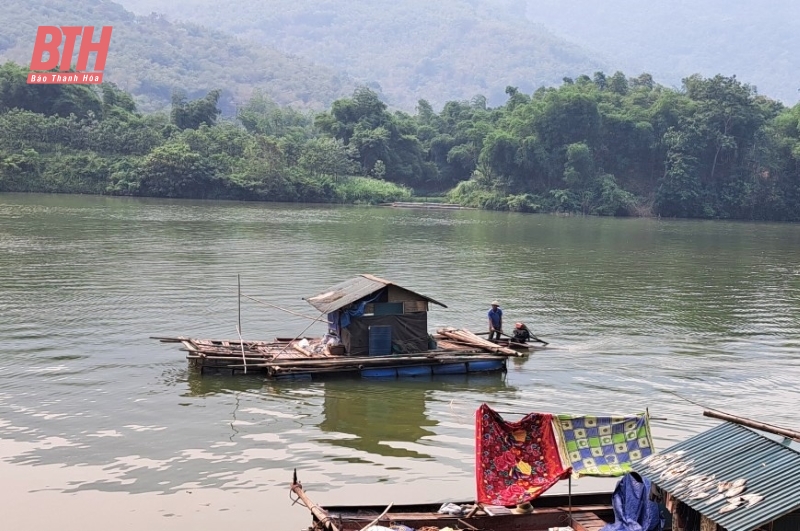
350	291
693	470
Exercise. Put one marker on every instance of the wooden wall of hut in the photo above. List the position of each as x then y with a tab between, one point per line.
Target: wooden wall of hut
409	333
789	522
707	524
398	294
684	518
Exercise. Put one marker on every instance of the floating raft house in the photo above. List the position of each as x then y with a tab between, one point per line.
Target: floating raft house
376	329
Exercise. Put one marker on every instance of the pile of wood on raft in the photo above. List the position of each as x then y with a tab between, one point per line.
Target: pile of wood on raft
250	352
457	338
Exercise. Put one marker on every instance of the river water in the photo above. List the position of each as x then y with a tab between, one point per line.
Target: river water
112	427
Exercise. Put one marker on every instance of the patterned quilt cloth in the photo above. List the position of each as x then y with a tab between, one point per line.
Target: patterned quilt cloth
515	461
603	446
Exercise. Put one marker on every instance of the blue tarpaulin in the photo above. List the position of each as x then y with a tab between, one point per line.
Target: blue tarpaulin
358	311
633	509
348	315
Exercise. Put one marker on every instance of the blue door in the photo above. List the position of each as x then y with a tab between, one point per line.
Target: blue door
380	340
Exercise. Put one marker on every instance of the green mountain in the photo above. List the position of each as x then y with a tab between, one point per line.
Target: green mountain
672	39
412	49
150	56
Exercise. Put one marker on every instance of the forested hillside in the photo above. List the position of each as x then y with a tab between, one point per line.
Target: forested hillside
441	51
603	145
92	140
671	39
150	57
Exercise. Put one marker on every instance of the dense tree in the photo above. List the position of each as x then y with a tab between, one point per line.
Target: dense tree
328	157
175	170
364	123
262	115
192	114
597	145
55	99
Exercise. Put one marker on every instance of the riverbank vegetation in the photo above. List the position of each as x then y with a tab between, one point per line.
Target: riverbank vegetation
594	145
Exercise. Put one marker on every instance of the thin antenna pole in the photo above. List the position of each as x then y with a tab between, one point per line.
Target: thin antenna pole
570	501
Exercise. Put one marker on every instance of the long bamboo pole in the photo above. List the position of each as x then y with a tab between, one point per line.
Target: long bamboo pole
299	335
378	519
315	509
285	310
753	424
241	342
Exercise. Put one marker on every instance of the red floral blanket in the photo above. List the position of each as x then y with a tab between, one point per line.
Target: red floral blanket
515	462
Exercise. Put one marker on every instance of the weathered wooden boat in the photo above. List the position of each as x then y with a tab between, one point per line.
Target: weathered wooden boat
521	347
534	343
376	329
581	512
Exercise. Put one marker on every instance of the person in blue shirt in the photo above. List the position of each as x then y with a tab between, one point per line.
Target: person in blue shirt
495	321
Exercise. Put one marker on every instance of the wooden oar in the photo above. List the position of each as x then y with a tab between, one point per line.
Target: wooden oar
537	339
533	337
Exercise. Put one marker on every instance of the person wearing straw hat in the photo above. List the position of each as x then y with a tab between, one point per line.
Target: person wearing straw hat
495	321
522	334
523	508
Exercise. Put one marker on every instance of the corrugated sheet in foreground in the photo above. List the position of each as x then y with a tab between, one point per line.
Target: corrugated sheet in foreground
729	452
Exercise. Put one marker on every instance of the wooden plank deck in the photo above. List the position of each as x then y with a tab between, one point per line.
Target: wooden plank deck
456	352
587	521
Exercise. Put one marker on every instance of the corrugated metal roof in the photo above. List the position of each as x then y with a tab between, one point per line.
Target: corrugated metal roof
350	291
692	471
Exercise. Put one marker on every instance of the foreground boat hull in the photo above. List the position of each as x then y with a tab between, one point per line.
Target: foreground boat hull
583	512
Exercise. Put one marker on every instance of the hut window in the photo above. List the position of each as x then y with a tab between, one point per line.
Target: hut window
388	308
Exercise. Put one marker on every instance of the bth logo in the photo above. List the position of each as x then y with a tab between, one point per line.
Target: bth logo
68	35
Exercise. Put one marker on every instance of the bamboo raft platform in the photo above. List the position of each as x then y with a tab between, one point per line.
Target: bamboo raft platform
457	351
433	206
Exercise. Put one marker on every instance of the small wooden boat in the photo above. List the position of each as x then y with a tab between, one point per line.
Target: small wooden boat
534	343
521	347
582	512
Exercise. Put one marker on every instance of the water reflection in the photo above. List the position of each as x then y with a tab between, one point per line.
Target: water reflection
634	310
200	385
377	418
379	414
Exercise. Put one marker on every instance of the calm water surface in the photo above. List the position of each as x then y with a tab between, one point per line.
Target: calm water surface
666	315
